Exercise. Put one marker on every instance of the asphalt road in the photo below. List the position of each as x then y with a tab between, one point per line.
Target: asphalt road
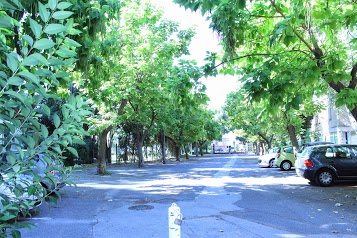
222	196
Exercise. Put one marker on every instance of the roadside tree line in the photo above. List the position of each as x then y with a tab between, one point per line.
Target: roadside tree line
75	69
286	55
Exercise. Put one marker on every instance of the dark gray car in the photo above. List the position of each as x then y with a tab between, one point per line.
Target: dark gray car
324	164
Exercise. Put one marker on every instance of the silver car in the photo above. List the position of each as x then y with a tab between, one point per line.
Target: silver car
18	196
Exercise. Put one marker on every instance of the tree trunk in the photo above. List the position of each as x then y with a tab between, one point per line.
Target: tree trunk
102	165
257	147
196	149
109	147
292	135
140	154
186	152
267	140
177	152
163	147
139	144
126	144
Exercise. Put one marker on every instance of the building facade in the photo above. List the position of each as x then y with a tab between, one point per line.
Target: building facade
335	124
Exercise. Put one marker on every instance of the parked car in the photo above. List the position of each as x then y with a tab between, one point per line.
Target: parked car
285	158
324	164
48	169
18	196
267	160
305	145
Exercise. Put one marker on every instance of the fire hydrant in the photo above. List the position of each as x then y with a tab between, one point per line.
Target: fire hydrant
175	220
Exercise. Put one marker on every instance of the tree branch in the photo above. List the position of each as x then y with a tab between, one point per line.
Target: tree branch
295	32
353	81
122	106
245	56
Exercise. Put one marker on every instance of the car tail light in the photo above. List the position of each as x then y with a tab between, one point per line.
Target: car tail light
308	163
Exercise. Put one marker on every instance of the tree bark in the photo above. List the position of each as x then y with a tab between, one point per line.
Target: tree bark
102	165
163	147
109	147
177	152
266	139
292	135
139	144
186	152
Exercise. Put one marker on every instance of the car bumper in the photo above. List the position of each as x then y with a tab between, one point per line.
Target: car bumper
305	173
263	163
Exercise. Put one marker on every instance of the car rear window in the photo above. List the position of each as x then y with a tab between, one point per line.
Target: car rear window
288	150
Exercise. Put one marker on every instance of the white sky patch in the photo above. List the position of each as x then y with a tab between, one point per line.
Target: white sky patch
205	40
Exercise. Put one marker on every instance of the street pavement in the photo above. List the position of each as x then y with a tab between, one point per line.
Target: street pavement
224	196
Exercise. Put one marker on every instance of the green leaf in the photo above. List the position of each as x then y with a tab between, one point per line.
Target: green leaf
11	159
34	59
16	95
30	76
63	5
54	29
28	39
57	149
85	113
46	109
36	28
65	53
43	44
55	61
17	81
73	151
44	131
71	42
30	142
56	120
61	15
52	4
11	61
16	168
79	141
16	234
44	14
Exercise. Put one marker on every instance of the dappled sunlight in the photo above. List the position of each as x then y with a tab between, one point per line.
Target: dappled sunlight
178	182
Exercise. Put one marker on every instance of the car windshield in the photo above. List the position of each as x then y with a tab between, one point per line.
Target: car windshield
273	150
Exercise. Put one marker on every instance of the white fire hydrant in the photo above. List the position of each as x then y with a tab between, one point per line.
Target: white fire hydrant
175	220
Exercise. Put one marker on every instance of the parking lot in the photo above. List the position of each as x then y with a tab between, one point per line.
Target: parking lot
219	196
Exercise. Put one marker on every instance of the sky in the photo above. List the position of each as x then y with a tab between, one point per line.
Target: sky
205	40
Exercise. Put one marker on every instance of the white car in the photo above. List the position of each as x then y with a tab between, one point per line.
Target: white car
16	193
267	160
46	168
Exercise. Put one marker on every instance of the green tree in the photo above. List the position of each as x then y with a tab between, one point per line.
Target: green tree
98	67
184	123
152	44
37	53
251	117
292	44
211	130
258	120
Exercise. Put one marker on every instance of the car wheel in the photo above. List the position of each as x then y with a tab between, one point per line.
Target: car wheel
271	163
285	165
325	177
